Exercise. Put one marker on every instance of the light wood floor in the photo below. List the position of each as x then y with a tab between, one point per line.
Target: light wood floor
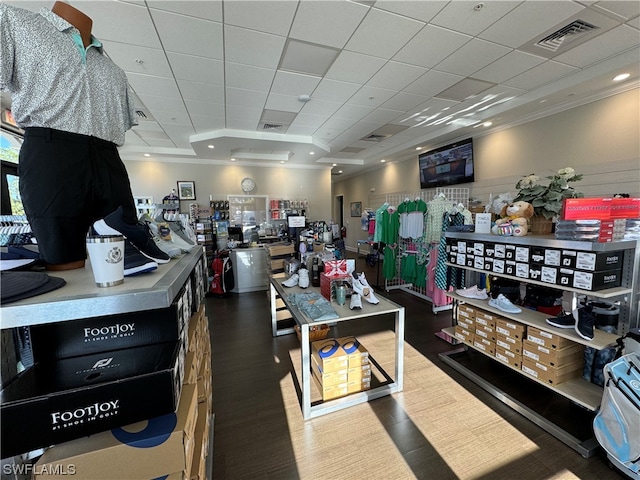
440	427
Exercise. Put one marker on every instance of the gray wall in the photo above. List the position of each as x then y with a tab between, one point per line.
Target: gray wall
600	140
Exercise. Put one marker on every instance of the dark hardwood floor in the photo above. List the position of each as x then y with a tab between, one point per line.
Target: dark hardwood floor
417	433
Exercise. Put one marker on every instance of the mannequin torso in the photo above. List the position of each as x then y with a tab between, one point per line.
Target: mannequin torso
76	18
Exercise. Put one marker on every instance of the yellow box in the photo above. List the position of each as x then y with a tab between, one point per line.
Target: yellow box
362	372
357	354
332	377
330	355
332	391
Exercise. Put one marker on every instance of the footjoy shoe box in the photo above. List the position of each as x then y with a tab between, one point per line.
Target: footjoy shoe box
112	332
58	401
145	450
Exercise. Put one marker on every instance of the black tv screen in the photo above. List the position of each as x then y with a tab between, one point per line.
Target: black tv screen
448	165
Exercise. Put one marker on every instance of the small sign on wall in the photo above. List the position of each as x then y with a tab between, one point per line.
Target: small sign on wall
483	223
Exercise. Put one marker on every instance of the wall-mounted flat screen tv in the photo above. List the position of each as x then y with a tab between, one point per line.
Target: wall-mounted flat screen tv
448	165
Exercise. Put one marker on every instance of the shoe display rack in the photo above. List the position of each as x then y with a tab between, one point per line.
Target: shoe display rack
626	292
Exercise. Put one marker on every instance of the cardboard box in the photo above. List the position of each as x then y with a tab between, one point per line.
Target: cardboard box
485	345
470	310
332	391
112	332
329	355
485	332
547	339
594	261
201	449
328	378
359	373
280	249
468	323
553	357
58	401
357	354
486	319
509	343
463	334
551	375
509	357
355	386
510	328
145	450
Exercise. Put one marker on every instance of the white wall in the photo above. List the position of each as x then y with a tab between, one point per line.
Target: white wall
151	178
600	140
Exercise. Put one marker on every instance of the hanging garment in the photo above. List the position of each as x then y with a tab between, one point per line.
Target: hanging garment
390	226
377	234
437	295
436	209
448	276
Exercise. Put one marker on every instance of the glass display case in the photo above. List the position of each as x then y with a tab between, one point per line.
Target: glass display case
249	212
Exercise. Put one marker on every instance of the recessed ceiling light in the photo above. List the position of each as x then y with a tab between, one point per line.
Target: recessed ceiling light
210	146
147	154
622	76
339	171
383	161
418	148
487	124
334	165
312	153
281	161
232	159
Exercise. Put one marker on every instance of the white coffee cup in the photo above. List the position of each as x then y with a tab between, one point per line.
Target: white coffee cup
106	255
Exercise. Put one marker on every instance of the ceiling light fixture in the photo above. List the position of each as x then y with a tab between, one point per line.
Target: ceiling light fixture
334	165
232	159
383	161
312	153
339	171
147	154
622	76
418	148
304	98
487	124
210	146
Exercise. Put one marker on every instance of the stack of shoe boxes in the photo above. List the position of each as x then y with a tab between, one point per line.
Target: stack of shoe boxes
485	332
465	329
276	255
170	446
509	338
340	366
550	358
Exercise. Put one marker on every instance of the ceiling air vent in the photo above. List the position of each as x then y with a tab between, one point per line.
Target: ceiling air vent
567	34
141	114
375	138
272	126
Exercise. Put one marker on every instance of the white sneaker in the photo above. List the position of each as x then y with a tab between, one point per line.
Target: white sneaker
473	292
365	291
303	278
176	240
292	281
504	304
356	302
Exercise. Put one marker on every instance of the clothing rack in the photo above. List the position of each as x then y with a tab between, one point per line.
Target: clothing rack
412	246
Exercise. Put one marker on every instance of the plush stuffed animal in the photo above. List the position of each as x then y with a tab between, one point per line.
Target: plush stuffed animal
514	219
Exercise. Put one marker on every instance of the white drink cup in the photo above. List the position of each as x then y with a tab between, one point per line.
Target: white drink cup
106	255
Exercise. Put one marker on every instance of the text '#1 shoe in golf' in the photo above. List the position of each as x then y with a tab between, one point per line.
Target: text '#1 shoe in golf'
564	320
504	304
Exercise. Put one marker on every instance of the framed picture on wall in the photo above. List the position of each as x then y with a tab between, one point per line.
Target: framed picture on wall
356	209
186	190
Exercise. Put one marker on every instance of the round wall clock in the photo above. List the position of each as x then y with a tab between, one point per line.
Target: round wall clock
248	185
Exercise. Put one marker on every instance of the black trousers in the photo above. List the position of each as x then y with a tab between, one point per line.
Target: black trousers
67	182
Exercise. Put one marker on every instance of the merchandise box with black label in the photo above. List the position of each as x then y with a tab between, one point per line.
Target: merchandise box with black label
112	332
147	449
599	280
57	401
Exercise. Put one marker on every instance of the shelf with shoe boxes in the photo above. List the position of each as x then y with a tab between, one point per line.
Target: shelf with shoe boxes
525	342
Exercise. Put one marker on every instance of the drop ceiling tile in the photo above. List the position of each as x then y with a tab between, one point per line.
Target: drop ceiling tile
198	107
311	121
269	17
396	76
289	83
300	130
201	91
623	8
540	75
404	101
207	123
209	10
148	126
635	23
432	82
334	90
527	20
320	107
327	22
383	34
512	64
242	123
353	112
133	23
420	9
343	67
179	134
173	117
238	112
247	98
193	36
337	124
461	16
155	102
248	77
381	116
150	85
371	96
285	103
431	46
601	47
131	139
133	58
197	69
472	56
248	47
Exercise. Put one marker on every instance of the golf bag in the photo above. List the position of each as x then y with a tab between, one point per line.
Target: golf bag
222	281
617	423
